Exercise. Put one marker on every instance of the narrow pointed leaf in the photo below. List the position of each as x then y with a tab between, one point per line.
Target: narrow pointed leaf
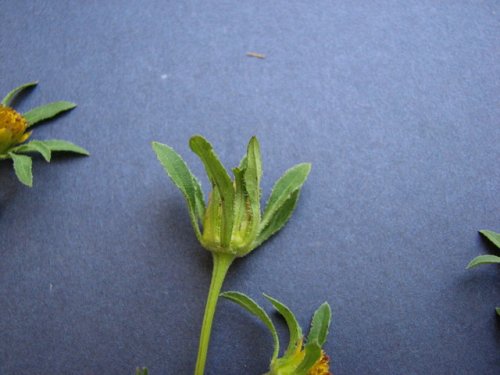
483	259
185	181
34	146
63	146
47	111
278	219
291	181
492	236
312	354
253	308
293	326
23	168
320	324
11	95
220	179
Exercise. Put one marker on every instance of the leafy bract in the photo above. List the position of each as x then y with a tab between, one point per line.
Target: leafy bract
492	236
285	193
64	146
483	259
253	308
34	146
182	177
47	111
320	324
7	100
293	326
220	180
23	168
279	219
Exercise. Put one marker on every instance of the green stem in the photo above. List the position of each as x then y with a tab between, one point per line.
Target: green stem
221	265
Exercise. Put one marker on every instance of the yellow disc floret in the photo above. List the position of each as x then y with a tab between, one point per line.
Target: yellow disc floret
12	129
322	366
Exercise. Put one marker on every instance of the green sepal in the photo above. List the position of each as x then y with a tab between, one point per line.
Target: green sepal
23	168
11	95
320	324
141	371
492	236
483	259
498	311
47	111
253	308
283	200
295	332
34	146
186	182
220	180
58	145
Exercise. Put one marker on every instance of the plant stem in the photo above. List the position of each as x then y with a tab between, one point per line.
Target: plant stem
220	267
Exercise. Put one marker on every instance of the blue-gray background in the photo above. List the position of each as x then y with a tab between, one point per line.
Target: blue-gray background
396	105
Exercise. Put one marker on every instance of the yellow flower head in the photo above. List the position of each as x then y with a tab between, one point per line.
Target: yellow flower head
322	366
12	128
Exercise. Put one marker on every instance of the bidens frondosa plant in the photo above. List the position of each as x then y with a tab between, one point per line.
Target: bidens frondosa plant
14	132
232	224
302	356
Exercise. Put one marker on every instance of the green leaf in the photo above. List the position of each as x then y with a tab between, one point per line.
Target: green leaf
279	219
492	236
293	326
220	179
143	371
285	187
253	308
320	324
47	111
63	146
34	146
186	182
498	310
11	95
483	259
23	168
312	354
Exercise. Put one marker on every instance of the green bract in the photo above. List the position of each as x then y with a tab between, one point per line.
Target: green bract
231	223
298	358
494	238
14	134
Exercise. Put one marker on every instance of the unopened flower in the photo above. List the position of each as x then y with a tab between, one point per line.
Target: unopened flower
13	134
232	224
302	356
